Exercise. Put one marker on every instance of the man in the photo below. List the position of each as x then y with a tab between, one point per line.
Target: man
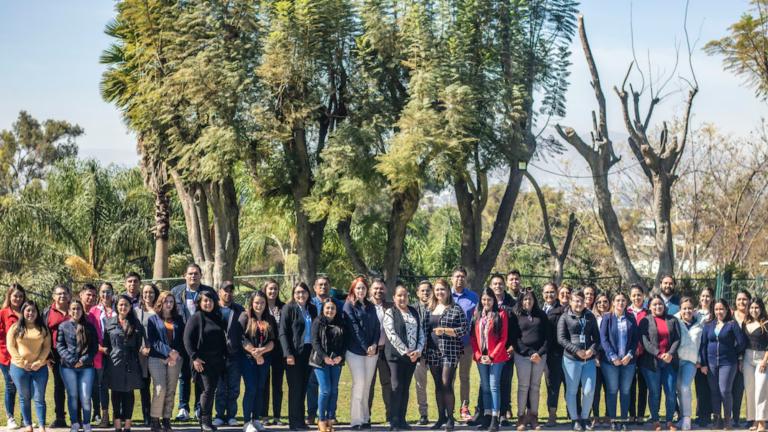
467	300
53	316
133	288
101	313
424	295
322	290
186	295
506	303
378	296
672	300
228	389
514	283
554	375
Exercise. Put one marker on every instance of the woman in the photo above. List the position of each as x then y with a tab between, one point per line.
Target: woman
660	336
206	343
364	331
327	357
101	313
564	296
403	347
578	334
29	344
447	324
590	295
77	344
619	336
600	307
704	314
145	310
277	362
9	315
259	335
165	338
690	339
721	343
123	338
740	313
754	366
295	339
638	393
530	340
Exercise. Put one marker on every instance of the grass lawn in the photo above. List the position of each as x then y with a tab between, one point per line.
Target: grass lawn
345	385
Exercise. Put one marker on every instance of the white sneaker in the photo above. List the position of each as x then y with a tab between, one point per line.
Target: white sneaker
87	428
232	422
686	424
11	424
218	422
183	415
75	427
249	427
259	426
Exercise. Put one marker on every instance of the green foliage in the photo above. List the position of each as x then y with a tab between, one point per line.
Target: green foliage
30	148
744	49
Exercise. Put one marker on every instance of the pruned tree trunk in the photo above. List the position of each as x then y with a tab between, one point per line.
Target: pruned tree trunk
404	206
161	232
662	215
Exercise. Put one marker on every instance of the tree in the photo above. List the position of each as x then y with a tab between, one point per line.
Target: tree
745	49
30	149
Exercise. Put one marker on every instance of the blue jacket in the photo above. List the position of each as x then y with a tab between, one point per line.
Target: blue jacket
66	345
722	349
364	327
159	345
609	337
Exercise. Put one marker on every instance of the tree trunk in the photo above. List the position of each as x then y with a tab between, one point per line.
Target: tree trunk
471	205
161	232
222	198
195	206
662	206
404	206
344	229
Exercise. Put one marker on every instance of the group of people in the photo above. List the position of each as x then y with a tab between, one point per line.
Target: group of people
629	346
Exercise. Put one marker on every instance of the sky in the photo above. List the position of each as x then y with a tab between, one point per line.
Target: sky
51	68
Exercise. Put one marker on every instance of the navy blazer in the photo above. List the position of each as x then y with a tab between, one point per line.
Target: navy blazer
363	325
66	345
609	337
159	345
722	349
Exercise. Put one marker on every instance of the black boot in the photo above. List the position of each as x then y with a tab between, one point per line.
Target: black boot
476	419
154	425
449	424
494	426
440	422
205	424
483	422
167	425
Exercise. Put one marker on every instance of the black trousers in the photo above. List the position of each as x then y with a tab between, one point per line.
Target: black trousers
444	376
298	377
122	404
400	373
209	380
59	392
638	396
703	397
738	395
385	380
275	385
185	384
555	378
146	401
599	389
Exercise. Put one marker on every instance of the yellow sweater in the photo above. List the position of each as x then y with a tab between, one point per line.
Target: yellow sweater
31	350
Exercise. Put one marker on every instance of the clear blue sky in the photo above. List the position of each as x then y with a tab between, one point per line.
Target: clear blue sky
51	69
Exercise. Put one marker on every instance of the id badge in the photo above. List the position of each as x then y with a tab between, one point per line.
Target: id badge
582	339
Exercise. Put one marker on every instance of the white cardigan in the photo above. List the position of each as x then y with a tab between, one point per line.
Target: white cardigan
690	339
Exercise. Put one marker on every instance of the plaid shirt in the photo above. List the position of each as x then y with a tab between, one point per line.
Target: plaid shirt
449	348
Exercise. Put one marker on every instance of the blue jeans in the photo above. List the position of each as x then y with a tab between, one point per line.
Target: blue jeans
30	384
685	373
618	380
664	376
79	385
328	391
255	380
490	383
721	379
228	389
10	389
584	373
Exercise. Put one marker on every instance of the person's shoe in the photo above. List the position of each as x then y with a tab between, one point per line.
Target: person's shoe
671	426
75	427
218	422
423	420
483	422
685	424
104	422
449	425
589	425
577	426
232	422
58	423
623	426
183	415
366	426
96	419
656	426
614	426
249	427
311	420
154	425
476	419
11	424
197	413
167	425
405	426
87	428
533	418
464	413
494	425
521	421
552	419
438	424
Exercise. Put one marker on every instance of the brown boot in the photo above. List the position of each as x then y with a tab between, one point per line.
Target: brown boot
321	426
534	420
522	419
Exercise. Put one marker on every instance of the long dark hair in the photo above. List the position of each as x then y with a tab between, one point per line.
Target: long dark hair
131	320
494	315
256	323
520	310
11	291
728	313
81	333
763	318
300	285
39	323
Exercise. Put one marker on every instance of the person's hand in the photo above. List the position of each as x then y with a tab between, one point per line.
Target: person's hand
328	361
626	360
27	366
589	353
290	360
198	365
103	349
173	355
414	356
144	351
511	350
50	363
581	354
704	370
617	362
79	364
337	360
762	366
535	358
439	331
371	351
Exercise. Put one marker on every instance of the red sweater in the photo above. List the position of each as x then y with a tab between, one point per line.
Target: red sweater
496	344
7	318
55	318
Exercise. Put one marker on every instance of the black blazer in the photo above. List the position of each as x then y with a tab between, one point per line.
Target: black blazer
554	350
649	336
292	328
